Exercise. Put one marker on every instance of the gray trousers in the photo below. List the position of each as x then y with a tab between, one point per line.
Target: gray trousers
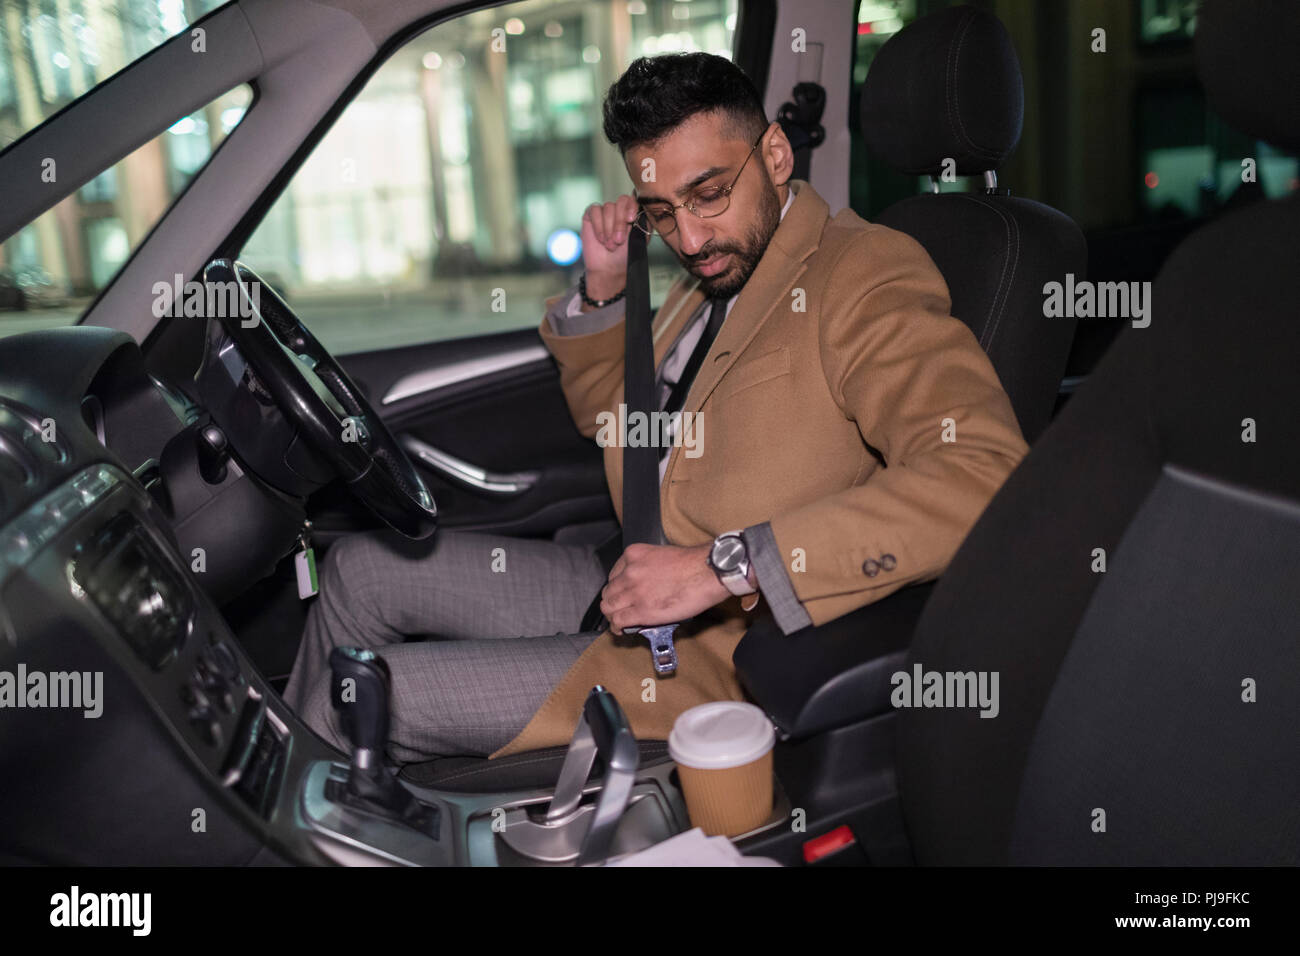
480	600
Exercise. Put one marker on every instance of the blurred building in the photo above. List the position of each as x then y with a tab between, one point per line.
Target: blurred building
468	149
466	161
53	51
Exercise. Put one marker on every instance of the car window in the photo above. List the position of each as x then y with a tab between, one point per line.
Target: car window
51	269
446	199
50	54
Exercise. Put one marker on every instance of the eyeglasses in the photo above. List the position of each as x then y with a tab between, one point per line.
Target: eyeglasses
706	202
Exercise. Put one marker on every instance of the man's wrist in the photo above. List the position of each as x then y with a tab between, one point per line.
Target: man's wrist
729	560
598	291
722	592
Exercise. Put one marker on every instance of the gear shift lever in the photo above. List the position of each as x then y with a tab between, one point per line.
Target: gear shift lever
359	689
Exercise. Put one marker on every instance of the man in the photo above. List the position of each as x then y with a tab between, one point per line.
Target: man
841	421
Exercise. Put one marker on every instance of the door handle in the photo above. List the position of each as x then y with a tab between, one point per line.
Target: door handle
464	473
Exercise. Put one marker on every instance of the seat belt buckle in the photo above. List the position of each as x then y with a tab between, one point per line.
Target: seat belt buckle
662	651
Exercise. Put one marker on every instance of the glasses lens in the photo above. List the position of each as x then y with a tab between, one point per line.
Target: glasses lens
659	218
710	202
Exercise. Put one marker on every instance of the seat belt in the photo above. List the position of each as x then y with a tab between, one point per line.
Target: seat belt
641	519
642	522
607	552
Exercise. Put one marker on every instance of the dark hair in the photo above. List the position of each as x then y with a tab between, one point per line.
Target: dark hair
657	94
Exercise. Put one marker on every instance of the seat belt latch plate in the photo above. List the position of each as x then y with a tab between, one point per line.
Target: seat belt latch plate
662	651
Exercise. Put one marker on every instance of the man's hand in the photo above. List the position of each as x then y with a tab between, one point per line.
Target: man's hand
660	584
604	245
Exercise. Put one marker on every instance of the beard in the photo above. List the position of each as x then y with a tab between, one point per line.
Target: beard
745	257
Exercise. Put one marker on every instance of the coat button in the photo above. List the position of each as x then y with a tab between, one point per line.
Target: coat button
870	568
888	562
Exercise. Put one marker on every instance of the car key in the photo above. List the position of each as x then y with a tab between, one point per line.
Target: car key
304	564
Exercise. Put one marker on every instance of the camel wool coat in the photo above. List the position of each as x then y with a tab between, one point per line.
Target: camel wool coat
840	403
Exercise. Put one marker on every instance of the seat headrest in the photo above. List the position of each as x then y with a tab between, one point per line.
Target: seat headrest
947	86
1246	57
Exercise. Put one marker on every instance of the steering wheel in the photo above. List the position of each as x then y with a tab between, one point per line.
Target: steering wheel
321	403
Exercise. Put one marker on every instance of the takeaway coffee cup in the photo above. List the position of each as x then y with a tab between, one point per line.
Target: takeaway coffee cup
723	752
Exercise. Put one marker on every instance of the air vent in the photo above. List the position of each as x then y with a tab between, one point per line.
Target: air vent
42	521
37	436
25	453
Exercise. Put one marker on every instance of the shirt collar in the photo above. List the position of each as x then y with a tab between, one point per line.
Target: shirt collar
788	200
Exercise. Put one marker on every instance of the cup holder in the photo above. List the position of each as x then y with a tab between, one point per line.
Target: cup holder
524	835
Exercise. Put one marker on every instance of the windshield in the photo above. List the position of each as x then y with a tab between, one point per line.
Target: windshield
51	54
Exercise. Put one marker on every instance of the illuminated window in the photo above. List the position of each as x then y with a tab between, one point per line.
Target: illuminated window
78	246
460	169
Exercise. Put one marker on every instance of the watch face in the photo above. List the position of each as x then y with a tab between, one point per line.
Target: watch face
728	554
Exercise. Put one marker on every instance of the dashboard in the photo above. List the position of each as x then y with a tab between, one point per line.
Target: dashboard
69	396
101	490
78	395
133	728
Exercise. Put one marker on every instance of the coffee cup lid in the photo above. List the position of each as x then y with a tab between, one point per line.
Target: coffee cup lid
721	734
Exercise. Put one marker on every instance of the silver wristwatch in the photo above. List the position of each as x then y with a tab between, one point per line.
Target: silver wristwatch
729	559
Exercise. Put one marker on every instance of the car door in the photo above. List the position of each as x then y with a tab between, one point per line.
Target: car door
484	419
422	236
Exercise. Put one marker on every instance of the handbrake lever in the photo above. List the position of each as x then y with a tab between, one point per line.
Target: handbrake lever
571	830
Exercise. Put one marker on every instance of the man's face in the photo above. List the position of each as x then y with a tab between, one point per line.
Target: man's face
721	251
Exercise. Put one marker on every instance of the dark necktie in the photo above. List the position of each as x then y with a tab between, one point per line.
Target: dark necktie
677	397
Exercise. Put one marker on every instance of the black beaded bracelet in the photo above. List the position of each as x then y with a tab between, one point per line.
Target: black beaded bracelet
595	303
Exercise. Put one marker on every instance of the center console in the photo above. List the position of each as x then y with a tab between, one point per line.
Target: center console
195	760
579	821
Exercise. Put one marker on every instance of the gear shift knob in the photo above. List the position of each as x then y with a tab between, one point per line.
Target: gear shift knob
359	692
359	689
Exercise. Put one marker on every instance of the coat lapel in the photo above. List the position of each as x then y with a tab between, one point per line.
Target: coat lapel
783	262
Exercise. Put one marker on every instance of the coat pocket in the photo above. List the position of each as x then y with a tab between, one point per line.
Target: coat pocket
747	373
